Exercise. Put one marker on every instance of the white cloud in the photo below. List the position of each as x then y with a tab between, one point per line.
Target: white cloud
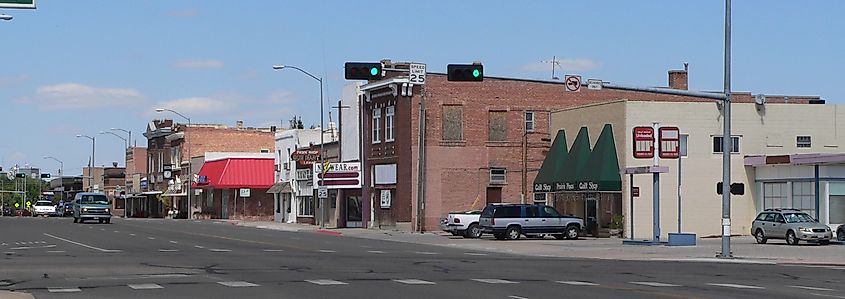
198	64
196	105
78	96
13	80
565	64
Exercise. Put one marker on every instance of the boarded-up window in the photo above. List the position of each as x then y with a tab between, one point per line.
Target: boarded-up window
453	123
497	126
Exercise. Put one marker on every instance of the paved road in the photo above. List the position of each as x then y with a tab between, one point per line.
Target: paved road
55	258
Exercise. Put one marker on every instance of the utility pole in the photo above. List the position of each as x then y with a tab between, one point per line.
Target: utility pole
727	142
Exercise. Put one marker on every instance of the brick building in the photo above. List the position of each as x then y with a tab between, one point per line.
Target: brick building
167	166
477	135
136	177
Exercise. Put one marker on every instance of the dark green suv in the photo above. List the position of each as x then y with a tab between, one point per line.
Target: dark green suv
91	206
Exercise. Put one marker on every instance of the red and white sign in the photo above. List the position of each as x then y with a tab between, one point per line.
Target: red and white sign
670	142
573	83
338	175
643	142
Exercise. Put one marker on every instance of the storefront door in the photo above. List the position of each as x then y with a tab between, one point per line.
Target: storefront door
354	214
591	211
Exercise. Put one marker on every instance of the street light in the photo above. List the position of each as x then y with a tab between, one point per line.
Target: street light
322	127
61	165
129	144
190	175
125	142
91	166
5	17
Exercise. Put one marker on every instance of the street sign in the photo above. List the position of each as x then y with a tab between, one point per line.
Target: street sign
572	82
30	4
322	192
338	175
244	192
385	199
643	142
416	73
305	157
593	84
670	142
635	191
326	165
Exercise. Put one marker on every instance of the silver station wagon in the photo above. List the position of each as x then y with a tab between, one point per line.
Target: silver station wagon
791	225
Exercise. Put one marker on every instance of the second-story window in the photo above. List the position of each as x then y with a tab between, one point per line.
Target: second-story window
453	123
529	121
388	123
376	125
497	126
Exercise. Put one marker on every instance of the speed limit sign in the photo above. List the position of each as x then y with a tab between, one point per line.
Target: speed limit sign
416	73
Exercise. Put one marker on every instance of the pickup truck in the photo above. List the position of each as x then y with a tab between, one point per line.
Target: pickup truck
462	224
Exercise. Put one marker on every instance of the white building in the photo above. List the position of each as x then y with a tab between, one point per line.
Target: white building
287	186
761	133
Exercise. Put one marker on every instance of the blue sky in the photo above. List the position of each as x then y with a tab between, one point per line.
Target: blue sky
81	67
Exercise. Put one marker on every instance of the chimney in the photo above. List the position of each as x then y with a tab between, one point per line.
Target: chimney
679	79
239	124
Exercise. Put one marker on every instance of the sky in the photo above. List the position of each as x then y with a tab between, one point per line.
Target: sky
84	66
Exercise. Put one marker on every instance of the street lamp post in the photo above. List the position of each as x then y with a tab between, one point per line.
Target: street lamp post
190	172
90	167
61	165
322	127
125	142
125	170
129	142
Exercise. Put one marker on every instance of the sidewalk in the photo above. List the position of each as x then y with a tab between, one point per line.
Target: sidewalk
744	248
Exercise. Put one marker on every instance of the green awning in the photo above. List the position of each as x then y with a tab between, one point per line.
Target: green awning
575	163
552	164
602	172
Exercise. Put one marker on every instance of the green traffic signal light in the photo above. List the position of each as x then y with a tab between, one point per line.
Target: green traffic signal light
373	71
476	73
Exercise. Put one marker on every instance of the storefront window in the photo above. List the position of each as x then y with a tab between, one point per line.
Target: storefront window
804	197
306	206
836	207
775	196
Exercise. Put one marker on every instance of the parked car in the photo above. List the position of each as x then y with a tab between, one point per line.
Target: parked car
510	221
462	224
67	210
23	213
8	211
91	206
44	208
791	225
840	233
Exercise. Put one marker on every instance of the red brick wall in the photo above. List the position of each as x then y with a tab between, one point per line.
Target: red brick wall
206	139
259	206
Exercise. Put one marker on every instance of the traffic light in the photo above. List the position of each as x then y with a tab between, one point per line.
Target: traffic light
20	175
465	72
45	175
363	70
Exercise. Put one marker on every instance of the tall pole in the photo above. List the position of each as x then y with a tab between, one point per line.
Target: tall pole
524	164
322	158
190	172
656	190
421	163
727	142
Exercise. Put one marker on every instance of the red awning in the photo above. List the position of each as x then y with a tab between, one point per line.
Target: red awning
254	173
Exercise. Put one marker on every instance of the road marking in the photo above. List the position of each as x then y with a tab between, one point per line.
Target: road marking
9	252
132	235
32	247
174	242
151	238
654	284
272	250
145	286
83	245
517	297
326	282
811	288
825	295
412	281
376	251
488	280
475	253
327	251
168	250
56	251
116	231
103	229
200	247
578	283
237	284
219	250
736	286
425	252
63	290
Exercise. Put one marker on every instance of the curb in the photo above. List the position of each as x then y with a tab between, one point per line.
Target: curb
329	232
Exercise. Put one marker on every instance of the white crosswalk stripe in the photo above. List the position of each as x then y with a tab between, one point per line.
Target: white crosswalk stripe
63	290
490	280
327	251
736	286
425	252
237	284
273	250
219	250
413	281
654	284
578	283
326	282
145	286
375	251
475	253
812	288
168	250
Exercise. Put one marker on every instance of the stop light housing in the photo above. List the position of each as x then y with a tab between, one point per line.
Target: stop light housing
736	188
45	175
363	70
20	175
465	72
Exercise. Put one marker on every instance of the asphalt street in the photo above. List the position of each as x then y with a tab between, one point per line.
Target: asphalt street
55	258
